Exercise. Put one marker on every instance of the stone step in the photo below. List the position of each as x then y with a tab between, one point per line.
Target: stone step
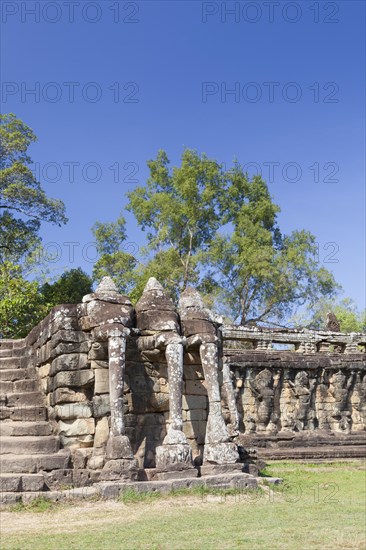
67	495
25	428
306	453
28	444
23	413
11	498
20	399
13	482
10	375
14	463
19	352
10	362
6	344
6	387
5	352
26	385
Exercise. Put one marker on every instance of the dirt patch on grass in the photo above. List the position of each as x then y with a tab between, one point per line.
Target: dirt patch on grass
69	518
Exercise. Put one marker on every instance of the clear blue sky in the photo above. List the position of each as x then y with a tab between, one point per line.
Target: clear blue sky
297	69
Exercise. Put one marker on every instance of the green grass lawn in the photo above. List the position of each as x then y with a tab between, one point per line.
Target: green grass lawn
319	506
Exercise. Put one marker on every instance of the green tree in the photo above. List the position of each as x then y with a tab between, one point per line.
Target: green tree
117	257
181	211
21	306
350	318
263	274
68	289
20	190
23	202
217	230
18	238
24	205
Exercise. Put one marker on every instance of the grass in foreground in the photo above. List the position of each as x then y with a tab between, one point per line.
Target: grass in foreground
319	506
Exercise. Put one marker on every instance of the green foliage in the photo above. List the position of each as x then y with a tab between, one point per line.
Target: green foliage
349	317
181	211
19	190
37	505
23	206
115	258
68	289
217	230
18	238
21	306
109	236
265	275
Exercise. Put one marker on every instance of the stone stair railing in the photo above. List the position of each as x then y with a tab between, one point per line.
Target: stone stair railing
303	340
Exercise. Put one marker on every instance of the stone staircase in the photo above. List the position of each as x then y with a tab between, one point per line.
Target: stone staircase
28	448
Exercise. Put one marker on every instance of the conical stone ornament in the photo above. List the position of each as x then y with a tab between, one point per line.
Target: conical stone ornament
155	311
191	306
107	291
154	298
106	307
195	318
106	285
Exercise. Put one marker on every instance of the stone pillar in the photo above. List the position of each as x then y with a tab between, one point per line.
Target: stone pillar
263	345
118	446
108	315
305	347
174	358
217	447
116	353
174	453
230	398
199	326
323	347
156	314
351	346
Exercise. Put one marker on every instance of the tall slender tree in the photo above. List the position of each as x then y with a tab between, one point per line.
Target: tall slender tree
24	205
23	202
216	230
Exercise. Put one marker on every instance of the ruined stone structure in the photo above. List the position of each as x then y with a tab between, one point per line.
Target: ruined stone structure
104	393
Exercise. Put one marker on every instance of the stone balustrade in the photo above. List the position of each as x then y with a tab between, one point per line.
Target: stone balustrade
302	340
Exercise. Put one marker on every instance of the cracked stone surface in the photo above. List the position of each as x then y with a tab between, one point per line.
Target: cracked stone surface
173	455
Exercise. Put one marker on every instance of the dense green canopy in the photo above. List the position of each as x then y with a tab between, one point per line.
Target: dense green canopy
216	230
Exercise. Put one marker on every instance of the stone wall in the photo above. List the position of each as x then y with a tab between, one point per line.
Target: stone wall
311	395
184	390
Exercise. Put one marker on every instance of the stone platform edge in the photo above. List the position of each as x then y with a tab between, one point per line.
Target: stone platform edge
114	490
